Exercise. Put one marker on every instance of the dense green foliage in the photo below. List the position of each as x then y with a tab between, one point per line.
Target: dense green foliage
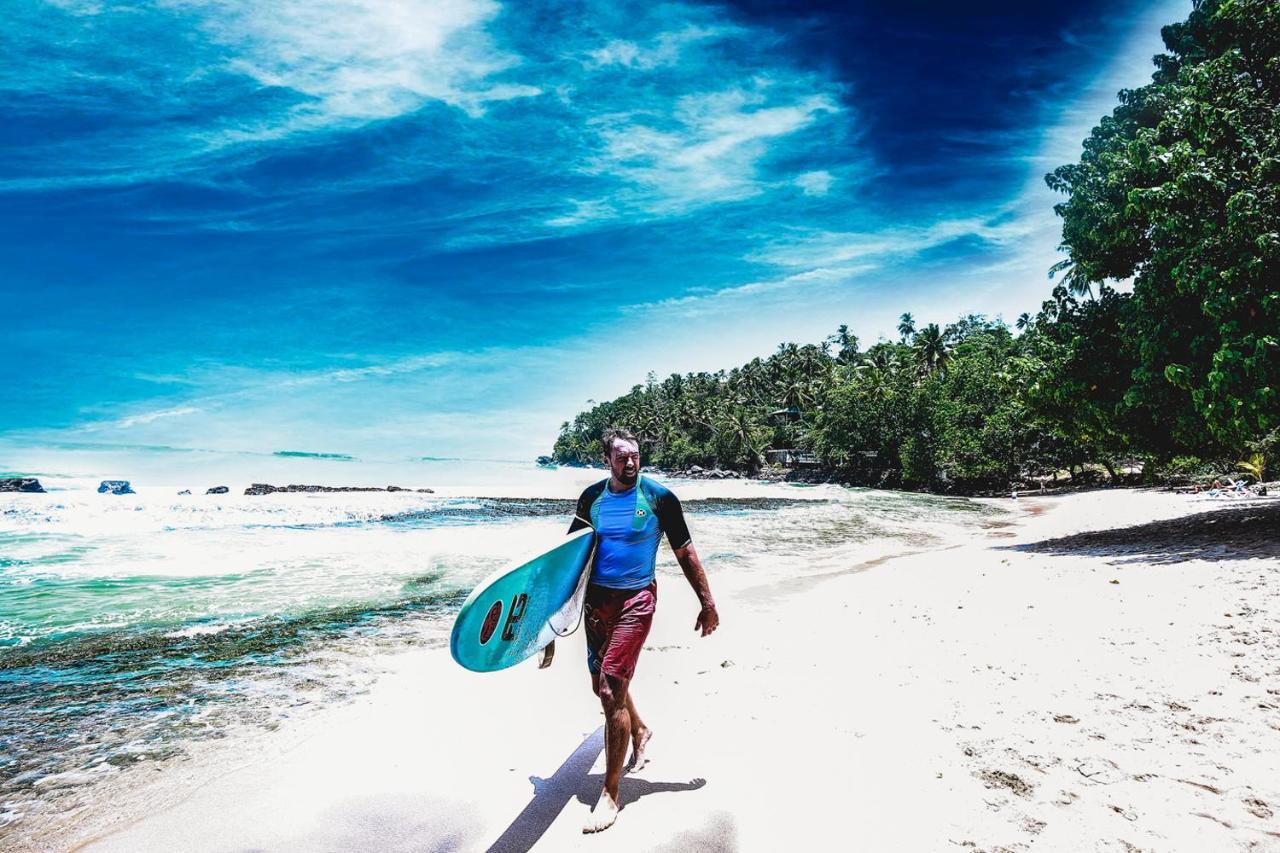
943	408
1177	192
711	418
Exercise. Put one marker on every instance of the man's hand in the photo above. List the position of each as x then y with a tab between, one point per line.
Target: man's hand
708	620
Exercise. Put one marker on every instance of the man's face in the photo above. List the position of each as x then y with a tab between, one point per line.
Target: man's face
624	461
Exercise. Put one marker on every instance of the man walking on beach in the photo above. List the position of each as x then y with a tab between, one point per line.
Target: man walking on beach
629	515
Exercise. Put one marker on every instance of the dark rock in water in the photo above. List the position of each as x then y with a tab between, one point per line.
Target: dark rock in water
20	484
546	462
268	489
697	472
185	492
116	487
427	491
217	490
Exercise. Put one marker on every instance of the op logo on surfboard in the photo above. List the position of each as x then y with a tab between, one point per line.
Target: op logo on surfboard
490	622
514	615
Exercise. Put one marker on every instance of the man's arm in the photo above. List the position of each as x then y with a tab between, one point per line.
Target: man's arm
671	515
582	512
708	618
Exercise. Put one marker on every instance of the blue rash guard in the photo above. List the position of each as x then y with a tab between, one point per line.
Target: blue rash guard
628	528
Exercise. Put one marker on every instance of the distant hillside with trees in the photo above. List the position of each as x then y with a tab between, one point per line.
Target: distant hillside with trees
1177	192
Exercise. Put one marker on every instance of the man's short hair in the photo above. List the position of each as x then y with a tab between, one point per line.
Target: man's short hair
611	435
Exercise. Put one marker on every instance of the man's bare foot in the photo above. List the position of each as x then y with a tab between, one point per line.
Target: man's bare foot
638	758
603	815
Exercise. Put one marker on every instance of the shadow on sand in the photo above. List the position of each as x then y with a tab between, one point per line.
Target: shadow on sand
1244	531
570	781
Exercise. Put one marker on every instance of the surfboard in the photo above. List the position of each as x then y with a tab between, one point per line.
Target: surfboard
521	608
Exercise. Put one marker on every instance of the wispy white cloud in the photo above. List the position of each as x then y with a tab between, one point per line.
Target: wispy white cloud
584	211
664	49
707	149
164	378
801	287
363	60
412	364
899	243
151	417
77	7
815	183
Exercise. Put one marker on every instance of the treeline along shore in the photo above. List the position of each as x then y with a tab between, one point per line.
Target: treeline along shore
1158	349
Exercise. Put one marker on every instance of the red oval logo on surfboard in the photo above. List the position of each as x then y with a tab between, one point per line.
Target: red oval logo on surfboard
491	622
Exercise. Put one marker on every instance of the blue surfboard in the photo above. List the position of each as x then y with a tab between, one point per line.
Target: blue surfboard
518	610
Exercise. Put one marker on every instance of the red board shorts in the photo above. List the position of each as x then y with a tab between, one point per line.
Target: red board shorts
617	622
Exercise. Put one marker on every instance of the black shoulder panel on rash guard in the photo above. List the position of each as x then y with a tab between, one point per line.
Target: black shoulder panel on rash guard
582	513
670	514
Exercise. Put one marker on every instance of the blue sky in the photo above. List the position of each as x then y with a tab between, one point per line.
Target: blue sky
397	228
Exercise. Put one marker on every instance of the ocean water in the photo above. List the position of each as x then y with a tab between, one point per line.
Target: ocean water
133	626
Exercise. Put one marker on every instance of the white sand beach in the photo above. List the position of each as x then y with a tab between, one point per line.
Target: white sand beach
1084	678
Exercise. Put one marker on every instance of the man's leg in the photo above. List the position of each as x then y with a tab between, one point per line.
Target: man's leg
640	733
620	650
617	734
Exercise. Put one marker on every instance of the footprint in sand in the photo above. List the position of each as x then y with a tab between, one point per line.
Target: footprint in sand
1258	808
1009	781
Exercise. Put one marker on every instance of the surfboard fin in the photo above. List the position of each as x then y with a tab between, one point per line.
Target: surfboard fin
547	654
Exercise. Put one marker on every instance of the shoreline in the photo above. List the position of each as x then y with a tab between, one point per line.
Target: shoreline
1046	682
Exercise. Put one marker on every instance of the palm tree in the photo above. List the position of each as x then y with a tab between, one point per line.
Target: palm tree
875	377
881	356
741	441
931	350
847	343
906	326
1077	284
1024	320
755	381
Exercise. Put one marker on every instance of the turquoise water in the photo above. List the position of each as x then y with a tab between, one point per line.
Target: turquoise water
133	625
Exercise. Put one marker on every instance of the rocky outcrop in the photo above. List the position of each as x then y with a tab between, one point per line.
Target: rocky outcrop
217	490
185	492
267	489
116	487
20	484
697	472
